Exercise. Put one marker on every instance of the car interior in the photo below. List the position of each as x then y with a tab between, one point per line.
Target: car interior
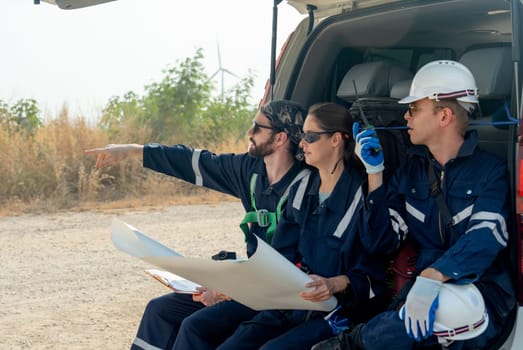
370	56
365	60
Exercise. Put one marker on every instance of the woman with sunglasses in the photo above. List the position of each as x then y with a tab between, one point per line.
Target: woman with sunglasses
325	215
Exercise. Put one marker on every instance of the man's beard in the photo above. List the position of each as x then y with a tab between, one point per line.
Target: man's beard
262	150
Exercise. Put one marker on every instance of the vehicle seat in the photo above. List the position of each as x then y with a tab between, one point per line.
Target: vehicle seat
401	89
374	82
372	79
492	69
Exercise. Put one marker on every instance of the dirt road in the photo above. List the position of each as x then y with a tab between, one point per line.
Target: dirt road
63	285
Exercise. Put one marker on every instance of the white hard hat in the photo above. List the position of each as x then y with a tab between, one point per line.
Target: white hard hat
461	313
440	80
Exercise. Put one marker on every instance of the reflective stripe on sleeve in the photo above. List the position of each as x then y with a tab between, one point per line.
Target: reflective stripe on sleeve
144	345
371	291
491	226
398	225
198	179
490	216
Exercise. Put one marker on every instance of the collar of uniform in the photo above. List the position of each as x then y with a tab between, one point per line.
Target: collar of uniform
280	186
342	190
467	148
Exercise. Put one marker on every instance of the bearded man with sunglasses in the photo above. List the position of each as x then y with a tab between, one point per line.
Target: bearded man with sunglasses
260	178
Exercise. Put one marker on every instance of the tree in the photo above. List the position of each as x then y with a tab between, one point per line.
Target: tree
231	117
182	107
22	116
121	111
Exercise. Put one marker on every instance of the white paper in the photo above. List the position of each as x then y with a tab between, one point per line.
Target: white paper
176	283
267	280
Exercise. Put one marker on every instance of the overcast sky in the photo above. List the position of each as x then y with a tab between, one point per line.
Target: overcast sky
83	57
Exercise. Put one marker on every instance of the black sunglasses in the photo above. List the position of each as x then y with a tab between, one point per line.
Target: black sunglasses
411	109
313	136
257	127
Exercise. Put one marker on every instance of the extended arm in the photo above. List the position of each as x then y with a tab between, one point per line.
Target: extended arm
114	153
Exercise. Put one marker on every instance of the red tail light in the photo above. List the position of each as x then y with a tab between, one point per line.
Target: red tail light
520	182
519	219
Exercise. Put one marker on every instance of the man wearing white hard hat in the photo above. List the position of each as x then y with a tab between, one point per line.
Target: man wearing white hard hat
451	200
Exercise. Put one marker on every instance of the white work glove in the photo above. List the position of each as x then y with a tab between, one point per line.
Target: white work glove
419	310
368	149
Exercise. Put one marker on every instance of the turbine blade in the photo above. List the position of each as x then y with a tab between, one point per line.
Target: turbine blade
214	74
219	56
229	72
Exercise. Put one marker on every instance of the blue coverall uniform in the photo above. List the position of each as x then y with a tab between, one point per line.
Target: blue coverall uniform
227	173
475	187
329	242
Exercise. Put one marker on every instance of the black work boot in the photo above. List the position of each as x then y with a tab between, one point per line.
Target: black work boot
347	340
338	342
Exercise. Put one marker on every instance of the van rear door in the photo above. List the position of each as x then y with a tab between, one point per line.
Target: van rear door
326	8
74	4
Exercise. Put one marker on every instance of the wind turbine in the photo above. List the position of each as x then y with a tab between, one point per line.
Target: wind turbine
222	70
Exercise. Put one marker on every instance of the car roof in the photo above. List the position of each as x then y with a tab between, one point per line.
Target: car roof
75	4
326	8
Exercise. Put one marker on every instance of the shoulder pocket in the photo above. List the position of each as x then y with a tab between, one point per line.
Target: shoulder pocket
463	194
416	191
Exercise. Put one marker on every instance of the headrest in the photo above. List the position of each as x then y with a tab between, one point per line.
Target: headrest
400	89
372	79
492	69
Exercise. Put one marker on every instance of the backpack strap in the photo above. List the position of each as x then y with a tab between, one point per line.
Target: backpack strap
252	187
405	259
435	192
263	217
